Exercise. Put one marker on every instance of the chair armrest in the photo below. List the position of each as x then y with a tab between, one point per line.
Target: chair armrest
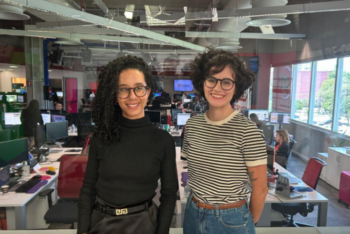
47	193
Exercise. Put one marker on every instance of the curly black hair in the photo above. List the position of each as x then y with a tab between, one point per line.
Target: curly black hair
214	61
106	113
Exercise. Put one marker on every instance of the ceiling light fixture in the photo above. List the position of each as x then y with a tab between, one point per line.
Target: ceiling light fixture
12	12
129	11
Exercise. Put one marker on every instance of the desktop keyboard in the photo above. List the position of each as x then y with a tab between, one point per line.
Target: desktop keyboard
27	185
175	132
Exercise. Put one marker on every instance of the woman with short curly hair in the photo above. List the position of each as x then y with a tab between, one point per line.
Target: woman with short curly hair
127	157
222	148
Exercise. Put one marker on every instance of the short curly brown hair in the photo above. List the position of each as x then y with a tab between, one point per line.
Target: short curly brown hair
214	61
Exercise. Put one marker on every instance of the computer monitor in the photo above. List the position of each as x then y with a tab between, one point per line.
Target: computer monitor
191	95
270	161
187	100
154	116
12	118
11	98
13	152
79	118
157	94
46	118
56	130
1	97
263	115
39	136
59	94
174	113
268	131
5	135
20	98
58	118
280	118
182	118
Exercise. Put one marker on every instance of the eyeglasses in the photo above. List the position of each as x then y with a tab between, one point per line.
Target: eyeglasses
139	91
226	83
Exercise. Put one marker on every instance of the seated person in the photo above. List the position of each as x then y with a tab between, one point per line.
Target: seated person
282	147
59	107
253	117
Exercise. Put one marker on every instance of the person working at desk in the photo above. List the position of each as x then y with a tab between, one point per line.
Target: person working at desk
282	147
222	147
253	117
127	156
31	118
59	106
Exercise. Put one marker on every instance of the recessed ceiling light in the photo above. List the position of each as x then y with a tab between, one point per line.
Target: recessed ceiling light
13	66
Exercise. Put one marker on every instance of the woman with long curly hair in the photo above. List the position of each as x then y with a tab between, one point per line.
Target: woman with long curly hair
222	148
127	157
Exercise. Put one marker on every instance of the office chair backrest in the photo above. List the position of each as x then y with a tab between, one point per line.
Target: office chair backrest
291	144
5	135
14	129
313	171
71	175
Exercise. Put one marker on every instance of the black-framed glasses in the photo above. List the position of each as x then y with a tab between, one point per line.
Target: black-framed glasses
139	91
226	83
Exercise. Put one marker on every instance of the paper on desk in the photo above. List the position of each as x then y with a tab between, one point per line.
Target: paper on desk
37	168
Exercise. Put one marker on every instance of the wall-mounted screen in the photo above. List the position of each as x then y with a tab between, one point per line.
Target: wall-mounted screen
183	85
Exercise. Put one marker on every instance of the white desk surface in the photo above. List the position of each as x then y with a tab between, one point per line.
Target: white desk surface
13	199
259	230
341	150
270	198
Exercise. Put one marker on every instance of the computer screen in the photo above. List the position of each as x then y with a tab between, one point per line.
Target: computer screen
154	116
56	130
79	118
268	131
59	94
157	94
58	118
11	98
174	113
263	115
39	136
182	118
191	95
12	152
46	118
187	100
0	97
20	98
183	85
281	118
12	118
270	161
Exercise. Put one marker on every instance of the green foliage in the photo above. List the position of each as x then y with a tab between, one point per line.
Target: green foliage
326	94
298	105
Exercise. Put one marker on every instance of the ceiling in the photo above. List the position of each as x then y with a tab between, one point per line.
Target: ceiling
162	26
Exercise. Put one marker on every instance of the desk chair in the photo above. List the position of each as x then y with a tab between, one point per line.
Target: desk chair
70	180
14	131
310	177
5	135
284	161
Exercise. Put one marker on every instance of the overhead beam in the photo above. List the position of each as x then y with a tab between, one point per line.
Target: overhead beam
276	10
281	36
102	6
79	36
64	23
94	19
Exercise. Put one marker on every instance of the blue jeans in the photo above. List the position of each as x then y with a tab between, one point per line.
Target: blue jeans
229	221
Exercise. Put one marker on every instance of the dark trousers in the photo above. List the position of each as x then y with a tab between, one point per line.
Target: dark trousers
144	222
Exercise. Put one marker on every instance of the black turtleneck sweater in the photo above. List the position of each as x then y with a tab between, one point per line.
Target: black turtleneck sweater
127	172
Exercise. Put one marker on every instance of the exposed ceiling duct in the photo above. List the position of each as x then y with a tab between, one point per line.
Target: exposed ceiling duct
108	23
279	36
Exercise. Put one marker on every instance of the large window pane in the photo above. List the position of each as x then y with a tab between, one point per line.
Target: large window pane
302	91
344	102
324	93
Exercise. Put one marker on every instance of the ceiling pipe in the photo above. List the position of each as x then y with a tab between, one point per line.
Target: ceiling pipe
84	16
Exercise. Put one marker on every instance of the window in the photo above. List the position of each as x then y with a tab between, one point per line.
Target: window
323	93
343	105
302	76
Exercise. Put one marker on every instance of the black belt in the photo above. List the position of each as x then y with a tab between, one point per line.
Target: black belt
122	210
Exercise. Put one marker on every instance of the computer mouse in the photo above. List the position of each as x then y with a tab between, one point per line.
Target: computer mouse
37	176
50	172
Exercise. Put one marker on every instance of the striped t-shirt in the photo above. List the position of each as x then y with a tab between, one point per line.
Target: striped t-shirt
218	154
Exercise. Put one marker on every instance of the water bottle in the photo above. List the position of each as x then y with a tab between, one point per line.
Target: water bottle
73	128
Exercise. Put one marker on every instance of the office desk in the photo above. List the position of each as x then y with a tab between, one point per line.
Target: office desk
265	220
26	211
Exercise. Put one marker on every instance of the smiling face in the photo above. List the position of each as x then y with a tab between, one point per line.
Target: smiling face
132	106
217	97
